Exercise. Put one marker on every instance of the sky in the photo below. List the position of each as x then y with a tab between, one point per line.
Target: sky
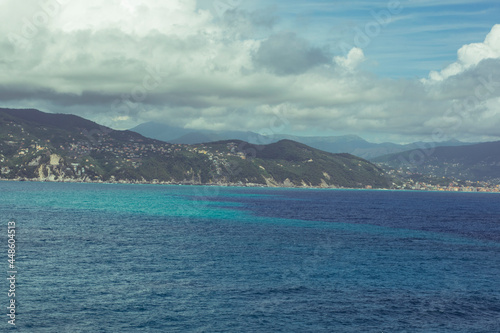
392	70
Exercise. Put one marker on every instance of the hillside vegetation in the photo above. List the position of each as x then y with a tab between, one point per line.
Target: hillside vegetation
57	147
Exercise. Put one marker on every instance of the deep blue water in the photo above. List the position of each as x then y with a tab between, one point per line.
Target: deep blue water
140	258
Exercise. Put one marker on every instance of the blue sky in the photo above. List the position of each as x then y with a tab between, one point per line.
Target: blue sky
424	36
317	67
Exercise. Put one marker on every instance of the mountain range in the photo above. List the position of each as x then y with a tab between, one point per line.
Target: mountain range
477	162
58	147
63	147
351	144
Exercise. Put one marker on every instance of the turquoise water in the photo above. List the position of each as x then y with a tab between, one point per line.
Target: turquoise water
143	258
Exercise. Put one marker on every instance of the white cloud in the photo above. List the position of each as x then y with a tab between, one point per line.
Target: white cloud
353	59
470	55
188	68
138	17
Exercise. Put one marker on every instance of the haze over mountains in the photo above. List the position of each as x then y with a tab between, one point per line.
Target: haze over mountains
351	144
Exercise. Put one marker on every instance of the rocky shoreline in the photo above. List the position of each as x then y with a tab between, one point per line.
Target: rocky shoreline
157	182
237	184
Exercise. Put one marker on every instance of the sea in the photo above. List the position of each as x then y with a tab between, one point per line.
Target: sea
155	258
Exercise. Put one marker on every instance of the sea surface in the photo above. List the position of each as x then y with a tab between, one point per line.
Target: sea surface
146	258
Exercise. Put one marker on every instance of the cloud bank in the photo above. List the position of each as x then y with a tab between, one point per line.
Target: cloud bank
123	62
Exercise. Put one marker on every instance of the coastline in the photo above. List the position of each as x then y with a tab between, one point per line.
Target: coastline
239	185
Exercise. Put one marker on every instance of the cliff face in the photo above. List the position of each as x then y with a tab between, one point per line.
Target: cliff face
51	168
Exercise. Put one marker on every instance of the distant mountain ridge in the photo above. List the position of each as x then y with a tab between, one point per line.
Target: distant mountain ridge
62	121
477	162
57	147
351	144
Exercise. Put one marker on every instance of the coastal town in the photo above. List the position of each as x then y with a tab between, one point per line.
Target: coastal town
452	187
413	181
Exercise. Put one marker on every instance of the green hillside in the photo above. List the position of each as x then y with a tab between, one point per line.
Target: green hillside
303	165
56	147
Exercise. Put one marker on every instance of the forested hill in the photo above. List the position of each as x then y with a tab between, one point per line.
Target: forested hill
58	147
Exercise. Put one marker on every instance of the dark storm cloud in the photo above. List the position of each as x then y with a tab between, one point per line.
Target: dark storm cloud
288	54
